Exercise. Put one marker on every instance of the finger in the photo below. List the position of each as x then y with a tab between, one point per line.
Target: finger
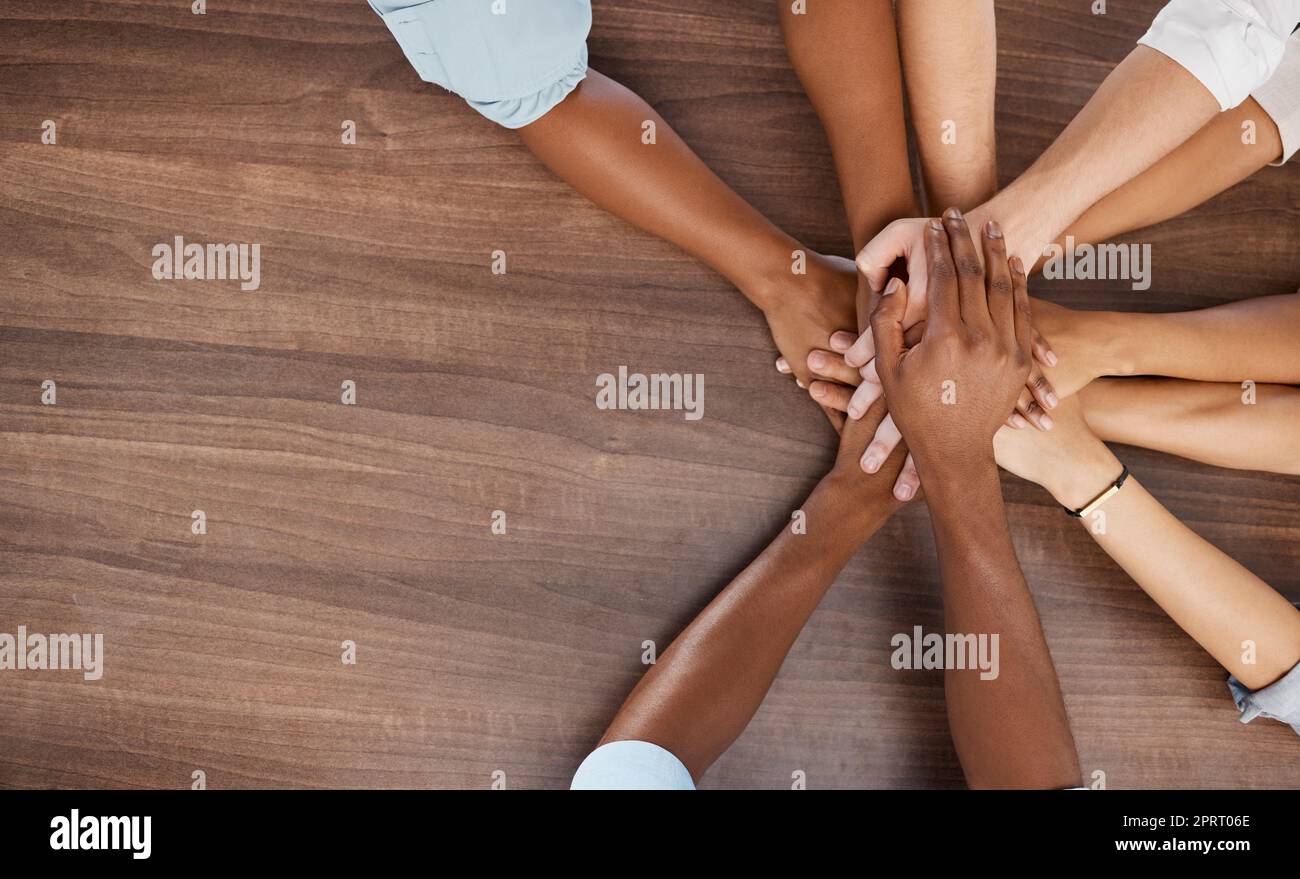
914	334
1016	420
887	327
841	341
885	441
874	260
942	309
1043	352
972	298
861	351
1041	388
1035	414
829	365
1020	287
908	481
831	395
868	373
782	366
866	394
1001	293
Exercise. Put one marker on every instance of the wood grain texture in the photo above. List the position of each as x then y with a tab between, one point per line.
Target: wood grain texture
475	393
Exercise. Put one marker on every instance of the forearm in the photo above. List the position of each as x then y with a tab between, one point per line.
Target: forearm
704	689
1146	107
1011	731
1208	594
1217	423
1212	160
949	55
1251	339
594	141
1256	339
845	53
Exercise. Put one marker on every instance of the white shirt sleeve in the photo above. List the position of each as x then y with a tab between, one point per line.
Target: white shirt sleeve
1231	46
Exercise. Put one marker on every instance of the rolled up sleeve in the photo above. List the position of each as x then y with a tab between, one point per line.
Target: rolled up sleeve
1279	701
631	765
511	61
1231	46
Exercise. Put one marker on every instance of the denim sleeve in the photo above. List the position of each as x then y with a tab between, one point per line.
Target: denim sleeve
631	765
511	60
1280	700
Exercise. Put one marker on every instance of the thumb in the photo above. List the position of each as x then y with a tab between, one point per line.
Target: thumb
887	328
882	251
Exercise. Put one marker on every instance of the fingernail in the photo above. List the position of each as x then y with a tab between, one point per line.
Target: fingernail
781	365
855	412
894	284
904	493
1017	266
818	391
992	229
816	360
1047	422
1052	401
799	383
1018	421
842	341
1051	358
936	225
952	214
871	463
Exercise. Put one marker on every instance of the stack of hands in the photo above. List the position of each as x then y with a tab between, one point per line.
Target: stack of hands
966	378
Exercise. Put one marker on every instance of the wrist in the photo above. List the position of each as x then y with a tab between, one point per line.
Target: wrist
1086	475
1020	210
1105	339
769	281
863	500
958	482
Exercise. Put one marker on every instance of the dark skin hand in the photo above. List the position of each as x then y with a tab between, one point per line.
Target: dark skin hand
698	698
948	395
593	141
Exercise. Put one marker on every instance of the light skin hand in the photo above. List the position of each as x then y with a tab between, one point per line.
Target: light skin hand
1212	597
1070	462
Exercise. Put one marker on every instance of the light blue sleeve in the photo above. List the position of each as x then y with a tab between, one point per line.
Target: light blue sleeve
1280	700
511	60
631	765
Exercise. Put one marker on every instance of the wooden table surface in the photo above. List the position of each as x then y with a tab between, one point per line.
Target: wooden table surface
371	523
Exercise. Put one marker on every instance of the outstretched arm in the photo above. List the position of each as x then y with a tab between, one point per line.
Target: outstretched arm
950	64
1221	423
1240	620
948	395
701	693
596	141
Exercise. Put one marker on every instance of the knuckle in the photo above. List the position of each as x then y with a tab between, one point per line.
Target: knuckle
942	271
968	266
